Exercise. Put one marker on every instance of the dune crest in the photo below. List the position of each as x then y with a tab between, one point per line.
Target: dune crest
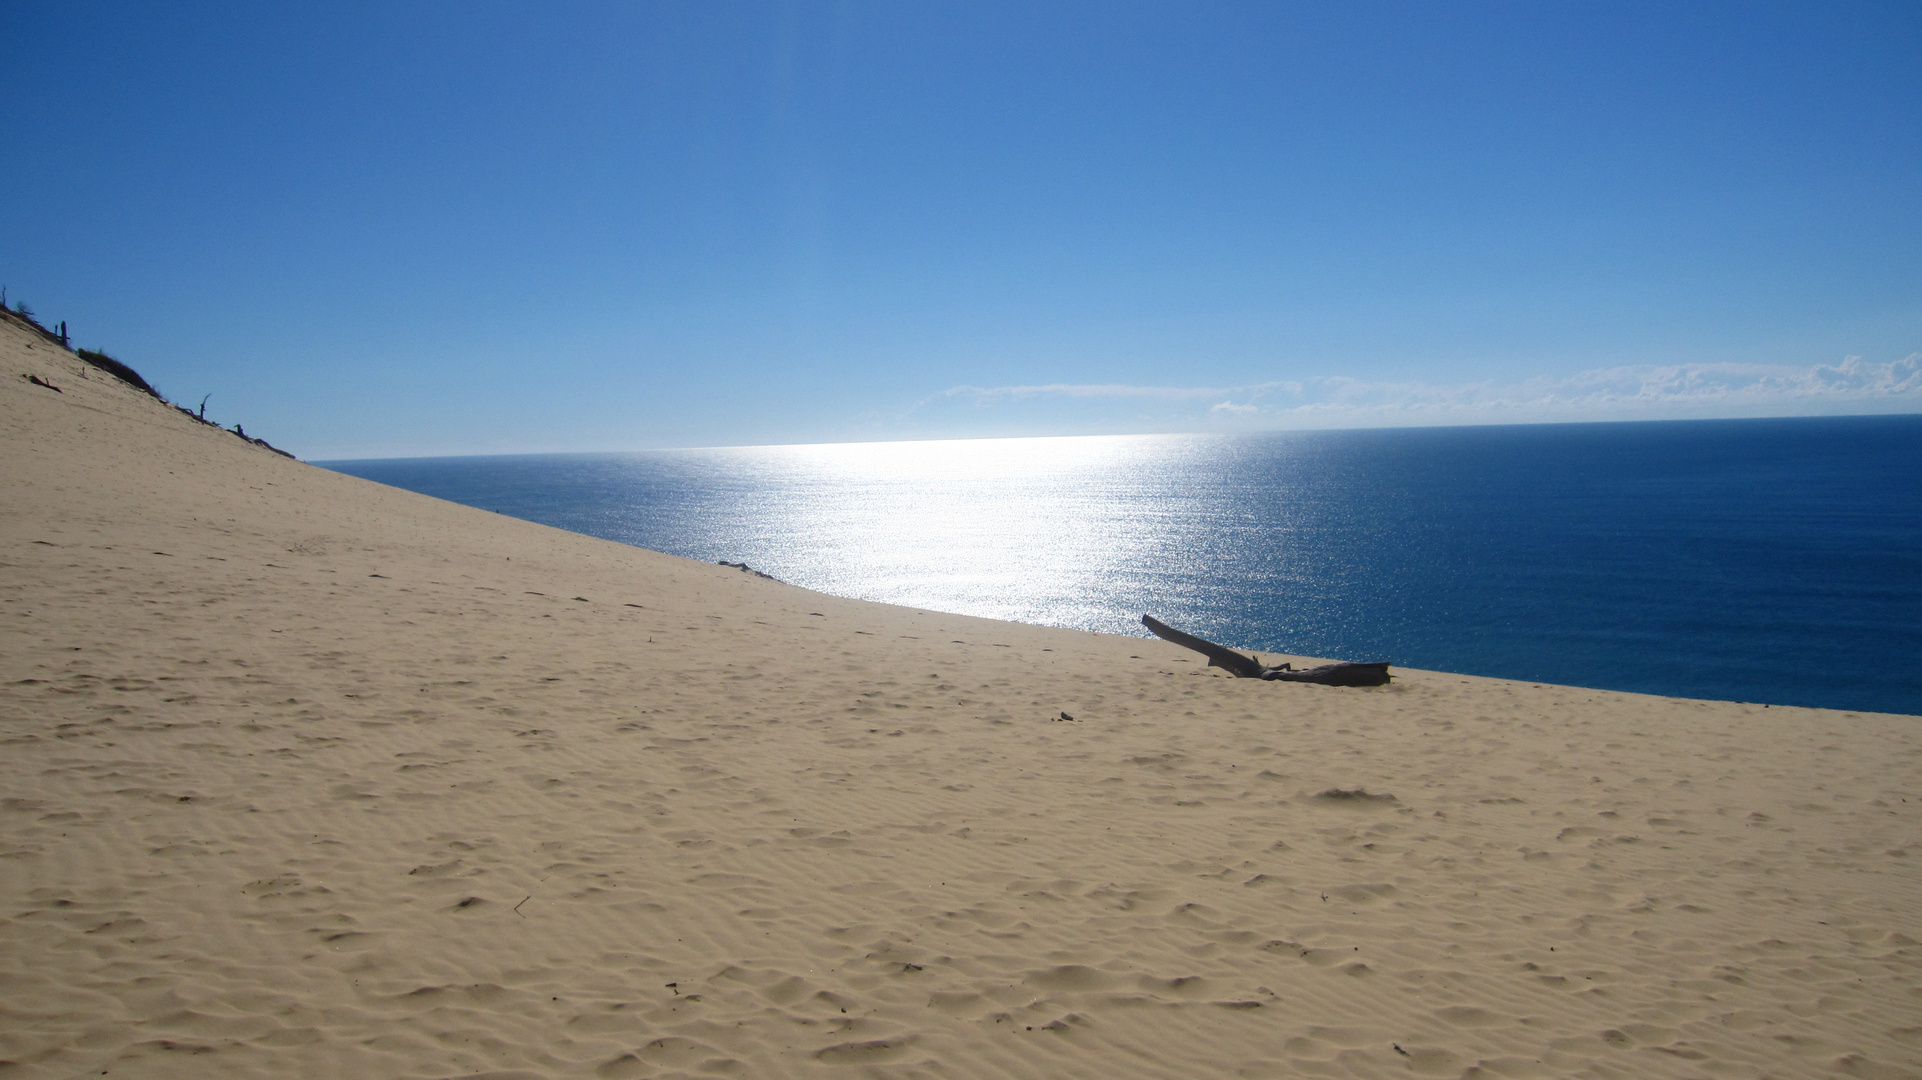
308	776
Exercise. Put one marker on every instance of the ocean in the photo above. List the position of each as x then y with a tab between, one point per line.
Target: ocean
1773	561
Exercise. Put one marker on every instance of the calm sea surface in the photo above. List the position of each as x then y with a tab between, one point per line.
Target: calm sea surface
1751	560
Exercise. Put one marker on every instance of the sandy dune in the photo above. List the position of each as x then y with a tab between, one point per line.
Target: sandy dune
304	776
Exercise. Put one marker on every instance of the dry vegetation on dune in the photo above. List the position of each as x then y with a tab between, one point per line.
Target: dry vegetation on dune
23	318
304	776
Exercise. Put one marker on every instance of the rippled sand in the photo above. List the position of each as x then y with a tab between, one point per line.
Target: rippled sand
304	776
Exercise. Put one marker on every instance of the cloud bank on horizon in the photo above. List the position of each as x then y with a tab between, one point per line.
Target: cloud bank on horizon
1633	392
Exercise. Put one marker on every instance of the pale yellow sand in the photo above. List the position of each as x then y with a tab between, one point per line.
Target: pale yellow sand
304	776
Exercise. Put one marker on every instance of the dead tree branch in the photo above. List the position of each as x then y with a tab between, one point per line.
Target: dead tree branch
1345	673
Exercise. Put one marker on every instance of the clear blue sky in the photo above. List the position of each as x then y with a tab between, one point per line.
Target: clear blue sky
394	229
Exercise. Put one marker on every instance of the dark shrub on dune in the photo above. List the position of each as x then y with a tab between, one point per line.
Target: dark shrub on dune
117	369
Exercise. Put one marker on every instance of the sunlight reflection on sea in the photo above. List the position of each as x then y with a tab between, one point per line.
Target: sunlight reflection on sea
1766	560
1036	530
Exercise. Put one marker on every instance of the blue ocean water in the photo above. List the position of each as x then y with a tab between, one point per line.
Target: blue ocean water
1773	561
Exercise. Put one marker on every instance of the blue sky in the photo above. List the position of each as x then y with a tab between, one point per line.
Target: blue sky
408	229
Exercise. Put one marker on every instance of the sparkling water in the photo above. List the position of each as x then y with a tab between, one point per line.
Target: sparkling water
1754	560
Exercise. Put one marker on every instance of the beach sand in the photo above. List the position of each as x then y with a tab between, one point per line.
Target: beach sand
306	776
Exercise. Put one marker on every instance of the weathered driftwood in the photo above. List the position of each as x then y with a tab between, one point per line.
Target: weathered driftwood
1247	667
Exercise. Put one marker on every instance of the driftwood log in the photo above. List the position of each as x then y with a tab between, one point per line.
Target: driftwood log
1247	667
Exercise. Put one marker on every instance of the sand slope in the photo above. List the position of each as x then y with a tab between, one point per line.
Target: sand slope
304	776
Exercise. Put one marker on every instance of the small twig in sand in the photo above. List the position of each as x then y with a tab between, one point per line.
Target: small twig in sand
517	907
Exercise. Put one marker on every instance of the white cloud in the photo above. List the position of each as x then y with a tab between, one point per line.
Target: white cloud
988	395
1618	393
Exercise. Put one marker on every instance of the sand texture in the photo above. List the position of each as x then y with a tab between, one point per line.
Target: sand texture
307	777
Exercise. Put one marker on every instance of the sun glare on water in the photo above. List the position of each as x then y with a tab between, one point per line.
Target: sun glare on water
1024	529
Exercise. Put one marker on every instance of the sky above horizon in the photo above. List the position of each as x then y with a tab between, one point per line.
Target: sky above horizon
382	230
